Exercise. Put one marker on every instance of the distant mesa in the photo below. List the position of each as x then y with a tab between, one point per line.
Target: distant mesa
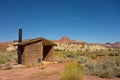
74	41
112	45
65	39
116	45
4	45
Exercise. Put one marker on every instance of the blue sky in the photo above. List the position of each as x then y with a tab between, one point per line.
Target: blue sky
95	21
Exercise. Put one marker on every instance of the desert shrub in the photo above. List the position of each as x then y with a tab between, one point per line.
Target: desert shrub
70	55
11	57
64	56
107	69
101	54
117	71
2	59
1	65
61	53
116	60
60	59
114	54
82	53
89	66
7	56
83	59
72	71
60	56
103	69
93	55
7	65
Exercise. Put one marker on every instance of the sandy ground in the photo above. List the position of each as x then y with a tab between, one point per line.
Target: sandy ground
50	72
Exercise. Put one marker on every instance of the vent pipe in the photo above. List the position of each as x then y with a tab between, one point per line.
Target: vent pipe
20	36
20	47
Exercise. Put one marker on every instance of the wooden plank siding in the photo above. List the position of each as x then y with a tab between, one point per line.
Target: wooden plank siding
32	53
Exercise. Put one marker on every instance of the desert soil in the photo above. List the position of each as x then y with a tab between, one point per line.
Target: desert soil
50	72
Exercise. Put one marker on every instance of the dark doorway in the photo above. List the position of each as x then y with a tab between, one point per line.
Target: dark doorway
46	51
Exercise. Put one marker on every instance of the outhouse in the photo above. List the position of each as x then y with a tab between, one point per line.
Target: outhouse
34	51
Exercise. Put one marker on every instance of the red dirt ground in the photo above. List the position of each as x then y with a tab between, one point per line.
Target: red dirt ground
50	72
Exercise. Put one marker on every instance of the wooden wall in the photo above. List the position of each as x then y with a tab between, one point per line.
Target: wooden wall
32	53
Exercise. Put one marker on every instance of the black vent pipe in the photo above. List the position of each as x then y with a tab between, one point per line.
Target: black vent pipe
20	47
20	35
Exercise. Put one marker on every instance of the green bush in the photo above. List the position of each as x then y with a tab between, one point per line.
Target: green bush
72	71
